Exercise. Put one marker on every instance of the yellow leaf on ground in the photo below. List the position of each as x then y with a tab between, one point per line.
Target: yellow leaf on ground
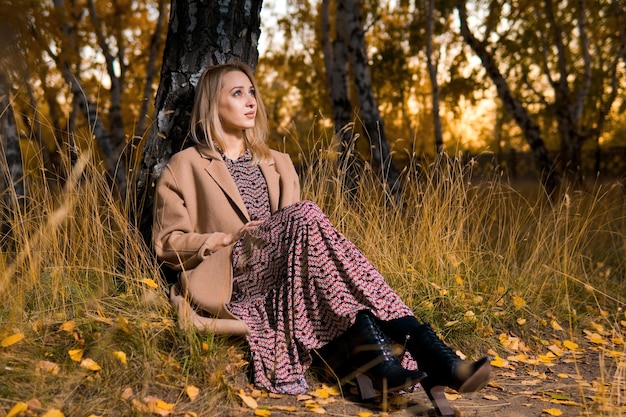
150	283
547	358
262	412
552	411
76	354
163	405
157	406
11	340
120	356
596	338
521	321
518	302
617	340
192	392
17	409
570	345
288	408
556	326
364	414
248	400
556	350
499	362
320	393
54	413
123	323
90	364
68	326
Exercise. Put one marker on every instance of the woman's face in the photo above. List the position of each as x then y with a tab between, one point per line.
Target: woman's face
237	103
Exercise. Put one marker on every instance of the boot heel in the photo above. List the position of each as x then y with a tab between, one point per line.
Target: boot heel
366	386
437	396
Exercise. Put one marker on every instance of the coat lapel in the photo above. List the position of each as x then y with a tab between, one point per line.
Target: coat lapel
216	168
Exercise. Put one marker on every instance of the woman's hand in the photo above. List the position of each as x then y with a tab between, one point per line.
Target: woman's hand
220	240
247	228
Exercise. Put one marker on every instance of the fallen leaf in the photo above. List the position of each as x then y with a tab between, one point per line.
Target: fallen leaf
150	283
499	362
521	321
120	356
76	354
157	406
192	392
552	411
127	393
262	412
123	323
556	326
11	340
17	409
303	397
518	302
68	326
596	338
90	364
452	396
288	408
320	393
364	414
48	367
249	401
570	345
490	397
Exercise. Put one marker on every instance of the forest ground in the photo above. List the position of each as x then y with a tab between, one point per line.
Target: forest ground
559	382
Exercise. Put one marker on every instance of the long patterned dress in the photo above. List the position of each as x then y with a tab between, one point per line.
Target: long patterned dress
298	283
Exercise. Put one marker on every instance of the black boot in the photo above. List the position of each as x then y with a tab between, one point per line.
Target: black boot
442	364
364	353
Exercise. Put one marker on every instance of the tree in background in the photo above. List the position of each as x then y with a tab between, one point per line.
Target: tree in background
200	33
559	69
84	70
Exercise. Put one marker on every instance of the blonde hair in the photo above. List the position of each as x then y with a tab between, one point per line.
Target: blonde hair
206	126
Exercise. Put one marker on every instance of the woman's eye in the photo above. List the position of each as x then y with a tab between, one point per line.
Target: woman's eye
237	93
253	93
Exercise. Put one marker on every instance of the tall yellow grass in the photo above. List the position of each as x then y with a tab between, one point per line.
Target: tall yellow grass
474	256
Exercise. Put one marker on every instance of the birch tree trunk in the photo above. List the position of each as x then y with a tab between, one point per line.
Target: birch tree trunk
549	177
11	175
373	124
431	63
201	33
337	82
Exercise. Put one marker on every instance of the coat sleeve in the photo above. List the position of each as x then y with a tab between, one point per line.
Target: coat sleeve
176	242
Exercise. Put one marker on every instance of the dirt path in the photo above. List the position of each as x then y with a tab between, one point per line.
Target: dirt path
573	379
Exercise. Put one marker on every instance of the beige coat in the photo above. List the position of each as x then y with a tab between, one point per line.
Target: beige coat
196	198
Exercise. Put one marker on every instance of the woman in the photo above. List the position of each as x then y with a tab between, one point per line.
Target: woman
257	261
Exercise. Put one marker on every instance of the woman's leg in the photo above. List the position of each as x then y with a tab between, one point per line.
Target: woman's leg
298	285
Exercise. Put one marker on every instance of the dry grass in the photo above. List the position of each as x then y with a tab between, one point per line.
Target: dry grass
475	259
